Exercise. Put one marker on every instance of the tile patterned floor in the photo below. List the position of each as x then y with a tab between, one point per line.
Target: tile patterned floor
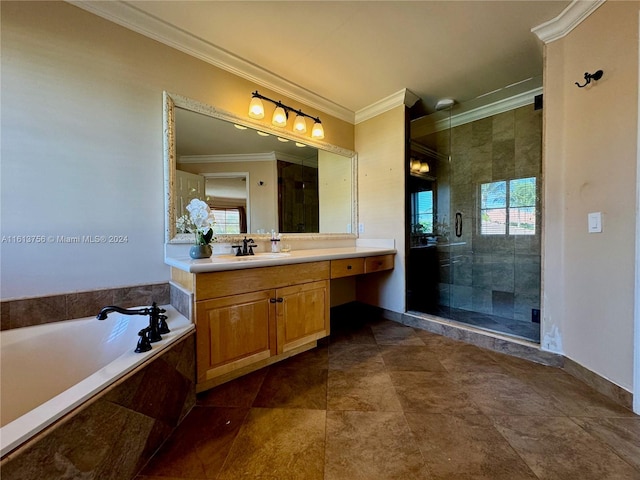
381	401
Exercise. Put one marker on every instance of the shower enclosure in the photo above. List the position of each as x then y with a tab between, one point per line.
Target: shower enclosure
474	229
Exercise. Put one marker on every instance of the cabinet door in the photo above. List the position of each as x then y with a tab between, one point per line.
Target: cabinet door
233	332
303	314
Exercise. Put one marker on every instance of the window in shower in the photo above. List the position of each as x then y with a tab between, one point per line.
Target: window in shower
508	207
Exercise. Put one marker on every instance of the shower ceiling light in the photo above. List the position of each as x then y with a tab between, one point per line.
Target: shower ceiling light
281	115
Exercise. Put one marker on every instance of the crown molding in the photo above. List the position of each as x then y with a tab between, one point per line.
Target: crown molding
243	157
495	108
402	97
238	157
569	18
130	17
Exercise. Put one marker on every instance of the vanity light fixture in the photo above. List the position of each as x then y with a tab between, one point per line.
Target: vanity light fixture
256	108
300	125
317	131
281	115
262	134
239	127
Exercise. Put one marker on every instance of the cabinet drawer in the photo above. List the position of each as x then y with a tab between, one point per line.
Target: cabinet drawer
234	282
377	264
347	267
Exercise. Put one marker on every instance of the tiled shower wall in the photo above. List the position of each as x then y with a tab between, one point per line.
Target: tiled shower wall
494	274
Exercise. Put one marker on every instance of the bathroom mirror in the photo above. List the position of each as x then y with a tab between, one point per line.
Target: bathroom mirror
276	181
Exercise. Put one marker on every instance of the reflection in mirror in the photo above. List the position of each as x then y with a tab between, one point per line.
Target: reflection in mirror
255	179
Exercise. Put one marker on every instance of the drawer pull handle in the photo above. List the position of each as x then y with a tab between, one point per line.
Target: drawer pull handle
349	267
278	300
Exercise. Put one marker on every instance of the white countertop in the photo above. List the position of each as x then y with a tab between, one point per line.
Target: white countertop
219	263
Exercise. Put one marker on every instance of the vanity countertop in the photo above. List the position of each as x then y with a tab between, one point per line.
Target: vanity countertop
263	259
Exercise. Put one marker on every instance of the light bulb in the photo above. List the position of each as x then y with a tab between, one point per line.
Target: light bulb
256	109
317	131
424	167
299	125
279	117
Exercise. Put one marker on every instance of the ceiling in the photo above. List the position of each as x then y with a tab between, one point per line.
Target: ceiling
348	55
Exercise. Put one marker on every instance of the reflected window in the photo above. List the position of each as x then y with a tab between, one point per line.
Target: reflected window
422	209
508	207
227	220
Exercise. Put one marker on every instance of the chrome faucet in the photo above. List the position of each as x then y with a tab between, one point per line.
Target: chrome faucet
157	323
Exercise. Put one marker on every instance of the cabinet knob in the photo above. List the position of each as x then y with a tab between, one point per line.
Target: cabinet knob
349	267
272	300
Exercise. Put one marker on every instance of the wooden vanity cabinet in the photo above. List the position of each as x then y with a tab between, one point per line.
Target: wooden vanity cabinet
246	319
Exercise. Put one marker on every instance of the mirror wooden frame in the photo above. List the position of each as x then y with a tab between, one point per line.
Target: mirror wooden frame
172	101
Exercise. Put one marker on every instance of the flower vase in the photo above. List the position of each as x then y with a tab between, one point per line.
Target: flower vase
200	251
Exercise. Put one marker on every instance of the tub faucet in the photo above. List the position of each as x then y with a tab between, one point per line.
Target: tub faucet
157	321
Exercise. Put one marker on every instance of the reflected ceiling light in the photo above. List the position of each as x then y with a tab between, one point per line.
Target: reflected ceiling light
256	108
281	115
418	166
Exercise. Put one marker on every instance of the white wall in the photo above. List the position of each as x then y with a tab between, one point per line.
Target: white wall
81	137
334	192
380	143
590	162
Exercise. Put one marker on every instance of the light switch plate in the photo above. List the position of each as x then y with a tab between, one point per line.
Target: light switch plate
595	222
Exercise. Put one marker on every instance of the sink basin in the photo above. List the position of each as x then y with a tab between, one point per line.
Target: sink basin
250	258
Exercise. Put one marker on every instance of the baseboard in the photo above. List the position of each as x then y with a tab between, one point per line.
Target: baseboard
598	383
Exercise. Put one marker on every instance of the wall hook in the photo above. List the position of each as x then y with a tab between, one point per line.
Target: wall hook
590	76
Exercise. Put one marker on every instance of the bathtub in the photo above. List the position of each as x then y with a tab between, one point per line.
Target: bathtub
51	369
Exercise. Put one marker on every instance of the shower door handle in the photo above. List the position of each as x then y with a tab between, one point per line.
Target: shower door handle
458	224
